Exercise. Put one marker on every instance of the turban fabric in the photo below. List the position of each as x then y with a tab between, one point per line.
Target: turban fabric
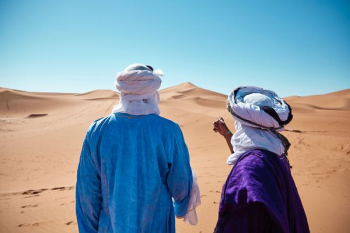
260	115
138	88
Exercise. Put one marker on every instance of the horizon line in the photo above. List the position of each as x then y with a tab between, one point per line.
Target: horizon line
162	89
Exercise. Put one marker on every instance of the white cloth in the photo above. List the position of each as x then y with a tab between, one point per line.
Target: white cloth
246	103
138	90
195	201
248	138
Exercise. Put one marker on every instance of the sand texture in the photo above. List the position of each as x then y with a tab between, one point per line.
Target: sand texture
41	136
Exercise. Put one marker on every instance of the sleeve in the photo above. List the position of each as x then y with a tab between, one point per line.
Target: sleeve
179	178
195	201
88	191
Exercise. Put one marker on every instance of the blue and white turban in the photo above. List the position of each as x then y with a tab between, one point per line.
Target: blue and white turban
260	115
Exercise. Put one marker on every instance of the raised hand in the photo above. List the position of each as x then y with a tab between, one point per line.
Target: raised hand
219	126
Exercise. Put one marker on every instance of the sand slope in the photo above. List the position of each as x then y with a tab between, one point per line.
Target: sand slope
42	134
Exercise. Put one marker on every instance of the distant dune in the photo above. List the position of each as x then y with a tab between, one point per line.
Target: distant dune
339	100
99	94
42	135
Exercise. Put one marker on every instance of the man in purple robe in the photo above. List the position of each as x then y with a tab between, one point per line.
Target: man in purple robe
259	194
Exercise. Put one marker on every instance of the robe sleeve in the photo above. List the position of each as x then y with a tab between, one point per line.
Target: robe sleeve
179	178
88	191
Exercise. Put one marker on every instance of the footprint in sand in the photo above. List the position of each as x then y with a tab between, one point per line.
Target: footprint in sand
34	193
32	196
63	188
37	115
31	192
29	225
69	223
29	206
68	203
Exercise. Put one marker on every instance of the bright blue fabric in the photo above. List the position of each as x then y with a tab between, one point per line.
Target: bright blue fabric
130	168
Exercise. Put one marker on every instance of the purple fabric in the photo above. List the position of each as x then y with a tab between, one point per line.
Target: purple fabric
260	196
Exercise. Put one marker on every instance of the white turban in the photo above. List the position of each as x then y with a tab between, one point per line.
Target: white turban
260	114
138	88
259	108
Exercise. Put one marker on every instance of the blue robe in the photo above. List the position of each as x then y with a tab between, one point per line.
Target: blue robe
130	168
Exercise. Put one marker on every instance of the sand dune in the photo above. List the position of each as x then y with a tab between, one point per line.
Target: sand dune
333	101
99	94
42	134
188	90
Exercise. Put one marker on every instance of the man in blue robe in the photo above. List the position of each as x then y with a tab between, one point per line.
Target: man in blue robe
134	172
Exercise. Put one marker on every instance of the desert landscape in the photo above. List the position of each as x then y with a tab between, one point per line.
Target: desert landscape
42	135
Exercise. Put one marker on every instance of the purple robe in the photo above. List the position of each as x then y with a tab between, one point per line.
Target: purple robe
260	196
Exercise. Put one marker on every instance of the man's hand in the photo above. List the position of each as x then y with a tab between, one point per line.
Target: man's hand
220	127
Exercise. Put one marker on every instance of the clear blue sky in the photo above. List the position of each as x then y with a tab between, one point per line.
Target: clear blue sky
293	47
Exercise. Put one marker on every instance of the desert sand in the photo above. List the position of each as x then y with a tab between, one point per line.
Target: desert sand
41	136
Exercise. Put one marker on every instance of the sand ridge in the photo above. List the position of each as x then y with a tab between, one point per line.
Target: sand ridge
42	134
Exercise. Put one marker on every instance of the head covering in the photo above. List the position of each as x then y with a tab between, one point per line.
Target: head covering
260	114
138	88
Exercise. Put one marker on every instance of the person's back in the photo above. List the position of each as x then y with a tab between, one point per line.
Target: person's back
131	167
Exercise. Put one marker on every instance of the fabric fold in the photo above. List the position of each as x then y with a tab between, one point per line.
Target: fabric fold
138	90
195	201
